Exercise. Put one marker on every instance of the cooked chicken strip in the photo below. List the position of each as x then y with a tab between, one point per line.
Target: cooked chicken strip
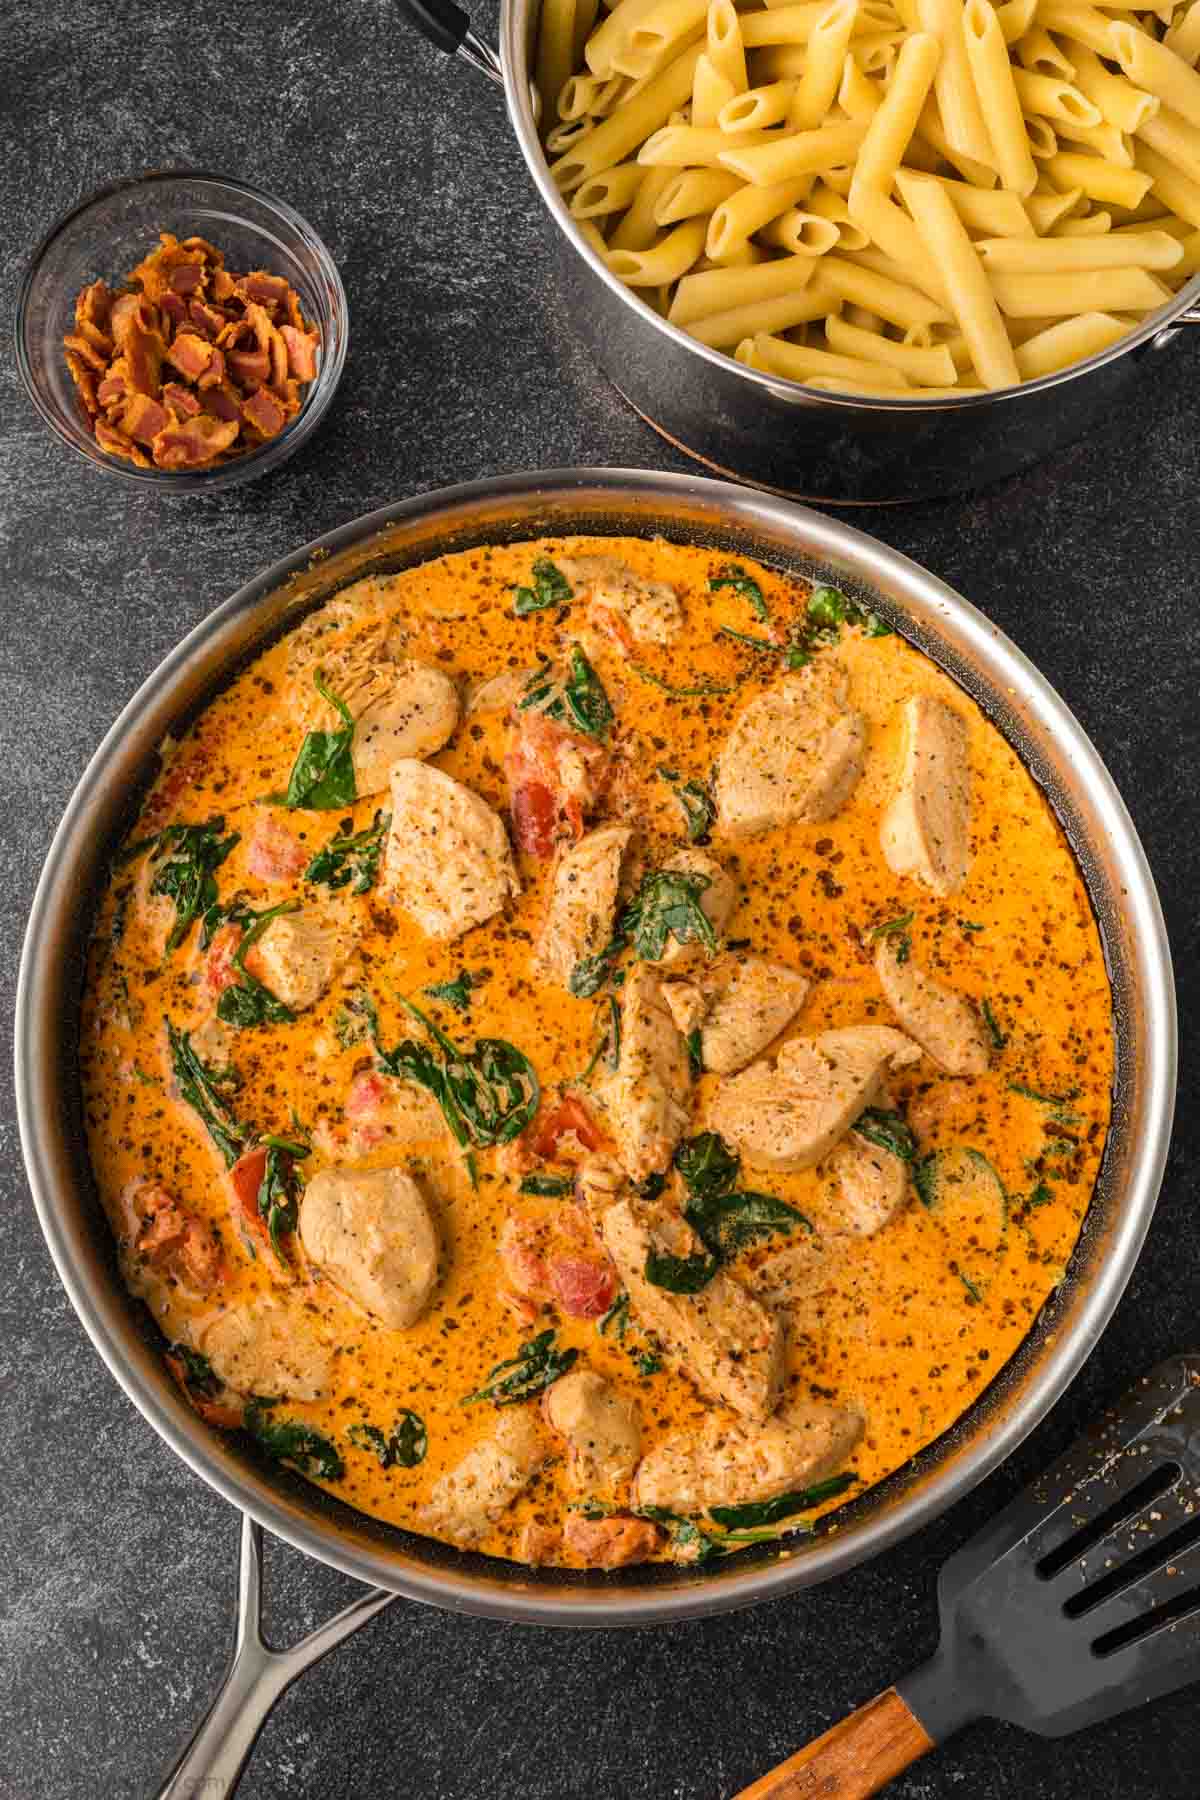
469	1499
649	610
728	1464
266	1346
871	1184
646	1101
602	1429
792	1115
800	1271
372	1233
300	954
583	900
793	756
941	1021
755	1000
925	832
730	1344
415	716
448	863
717	902
600	1181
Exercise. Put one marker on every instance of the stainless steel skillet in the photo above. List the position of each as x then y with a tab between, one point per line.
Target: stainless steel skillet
958	637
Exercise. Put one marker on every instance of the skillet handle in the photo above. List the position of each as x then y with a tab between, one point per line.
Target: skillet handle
857	1757
212	1760
448	28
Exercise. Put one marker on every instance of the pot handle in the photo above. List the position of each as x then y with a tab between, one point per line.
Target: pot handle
448	28
212	1760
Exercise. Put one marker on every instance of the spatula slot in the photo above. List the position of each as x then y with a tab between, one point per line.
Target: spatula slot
1162	1553
1183	1607
1126	1507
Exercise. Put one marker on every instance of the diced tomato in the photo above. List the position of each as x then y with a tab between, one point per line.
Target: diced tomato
368	1094
583	1287
570	1118
523	1264
247	1175
215	1408
535	819
219	972
183	774
274	854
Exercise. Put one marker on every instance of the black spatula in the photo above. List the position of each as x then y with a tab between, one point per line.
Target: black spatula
1080	1600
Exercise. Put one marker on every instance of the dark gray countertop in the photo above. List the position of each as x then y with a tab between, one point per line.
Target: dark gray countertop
118	1564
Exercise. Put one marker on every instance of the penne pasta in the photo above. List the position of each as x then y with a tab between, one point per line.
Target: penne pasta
1139	250
929	366
826	54
555	57
710	92
971	298
994	211
1184	38
1069	341
799	364
1054	98
693	146
722	331
1092	224
886	225
718	290
858	96
1038	51
1015	17
896	301
801	233
1086	290
1150	65
1174	139
666	261
639	228
1104	139
611	192
998	101
957	100
726	52
889	131
758	108
747	210
1040	134
1080	23
828	204
801	153
1171	185
933	132
660	34
1046	210
1120	103
612	141
691	193
1099	180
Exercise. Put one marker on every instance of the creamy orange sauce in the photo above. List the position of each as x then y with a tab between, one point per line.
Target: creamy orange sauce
921	1320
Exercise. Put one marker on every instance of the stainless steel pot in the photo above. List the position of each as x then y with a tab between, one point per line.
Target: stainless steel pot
1026	710
759	428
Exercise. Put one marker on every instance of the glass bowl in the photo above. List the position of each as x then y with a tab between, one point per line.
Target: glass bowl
107	235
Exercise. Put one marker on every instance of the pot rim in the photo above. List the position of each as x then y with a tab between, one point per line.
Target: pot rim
463	1586
518	95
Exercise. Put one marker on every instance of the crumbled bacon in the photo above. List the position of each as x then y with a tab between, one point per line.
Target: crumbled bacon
241	340
193	443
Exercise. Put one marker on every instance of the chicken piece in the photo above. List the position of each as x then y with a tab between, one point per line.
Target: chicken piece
611	1543
799	1272
729	1342
602	1429
447	862
925	831
583	900
538	1544
717	902
753	1004
871	1184
633	608
688	1003
726	1464
942	1022
371	1232
466	1502
266	1346
164	1246
498	693
600	1182
792	1115
793	756
645	1101
414	716
301	953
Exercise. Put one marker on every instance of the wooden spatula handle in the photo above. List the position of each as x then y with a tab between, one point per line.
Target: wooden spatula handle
854	1758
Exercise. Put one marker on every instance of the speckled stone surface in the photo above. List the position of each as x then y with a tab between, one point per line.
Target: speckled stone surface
117	1562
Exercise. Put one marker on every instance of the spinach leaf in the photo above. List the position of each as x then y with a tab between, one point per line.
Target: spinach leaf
685	1534
667	905
727	1219
457	993
1058	1105
578	700
742	584
695	1052
764	646
617	1316
199	1376
200	1086
287	1440
548	1187
829	609
890	927
699	807
707	1164
591	972
487	1095
681	1274
889	1130
550	588
534	1368
187	858
999	1038
280	1188
403	1448
612	1038
351	860
770	1512
323	773
700	690
974	1293
250	1001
